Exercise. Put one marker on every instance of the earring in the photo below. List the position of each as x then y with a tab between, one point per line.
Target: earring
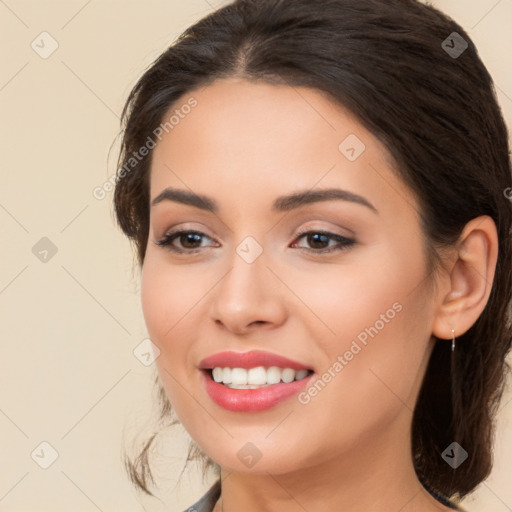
453	340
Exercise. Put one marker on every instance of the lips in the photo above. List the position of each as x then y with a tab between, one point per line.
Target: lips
250	359
251	400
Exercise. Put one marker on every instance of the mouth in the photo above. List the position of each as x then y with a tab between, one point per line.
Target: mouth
252	381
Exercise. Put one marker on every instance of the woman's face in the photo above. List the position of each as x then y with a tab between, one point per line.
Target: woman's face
355	310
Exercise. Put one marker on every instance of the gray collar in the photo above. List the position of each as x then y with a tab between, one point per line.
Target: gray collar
207	502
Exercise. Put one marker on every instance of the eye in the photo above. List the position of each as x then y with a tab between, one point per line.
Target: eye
319	240
188	239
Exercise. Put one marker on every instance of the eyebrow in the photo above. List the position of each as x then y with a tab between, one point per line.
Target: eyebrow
281	204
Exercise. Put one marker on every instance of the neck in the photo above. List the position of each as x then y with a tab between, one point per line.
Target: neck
374	474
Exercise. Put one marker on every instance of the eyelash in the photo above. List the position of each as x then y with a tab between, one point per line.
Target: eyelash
344	242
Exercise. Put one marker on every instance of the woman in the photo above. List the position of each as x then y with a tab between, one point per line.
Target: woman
317	194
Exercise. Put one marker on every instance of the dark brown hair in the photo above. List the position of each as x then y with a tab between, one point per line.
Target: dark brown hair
437	114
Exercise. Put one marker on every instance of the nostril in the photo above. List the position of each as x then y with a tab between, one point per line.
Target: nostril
257	322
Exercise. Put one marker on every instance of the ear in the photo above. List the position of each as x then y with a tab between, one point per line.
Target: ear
467	286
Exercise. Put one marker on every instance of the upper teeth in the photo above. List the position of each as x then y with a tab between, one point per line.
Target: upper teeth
259	376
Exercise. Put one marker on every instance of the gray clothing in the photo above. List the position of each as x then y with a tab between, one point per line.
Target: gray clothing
207	502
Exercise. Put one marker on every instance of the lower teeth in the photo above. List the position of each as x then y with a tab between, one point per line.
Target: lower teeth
247	386
252	386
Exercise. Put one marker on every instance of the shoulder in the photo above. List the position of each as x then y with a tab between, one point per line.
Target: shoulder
207	502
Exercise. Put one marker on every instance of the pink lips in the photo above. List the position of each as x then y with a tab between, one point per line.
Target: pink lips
249	360
250	400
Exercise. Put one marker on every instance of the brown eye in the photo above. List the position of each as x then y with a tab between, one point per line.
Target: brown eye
319	241
190	241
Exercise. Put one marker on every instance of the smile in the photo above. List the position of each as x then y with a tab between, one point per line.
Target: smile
252	381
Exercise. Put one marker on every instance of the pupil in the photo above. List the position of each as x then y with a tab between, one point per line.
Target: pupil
315	237
190	237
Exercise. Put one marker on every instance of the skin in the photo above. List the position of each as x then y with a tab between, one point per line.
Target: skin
243	145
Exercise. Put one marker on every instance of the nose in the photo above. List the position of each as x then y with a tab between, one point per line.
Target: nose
248	297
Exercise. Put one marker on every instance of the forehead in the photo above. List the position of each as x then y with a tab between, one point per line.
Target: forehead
256	138
236	113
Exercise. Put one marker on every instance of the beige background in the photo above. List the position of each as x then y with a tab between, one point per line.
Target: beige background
69	325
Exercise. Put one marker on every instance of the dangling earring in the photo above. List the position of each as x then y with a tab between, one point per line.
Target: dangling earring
453	340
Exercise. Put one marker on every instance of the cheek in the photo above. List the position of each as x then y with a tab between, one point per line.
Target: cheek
167	295
375	317
172	299
163	307
155	300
